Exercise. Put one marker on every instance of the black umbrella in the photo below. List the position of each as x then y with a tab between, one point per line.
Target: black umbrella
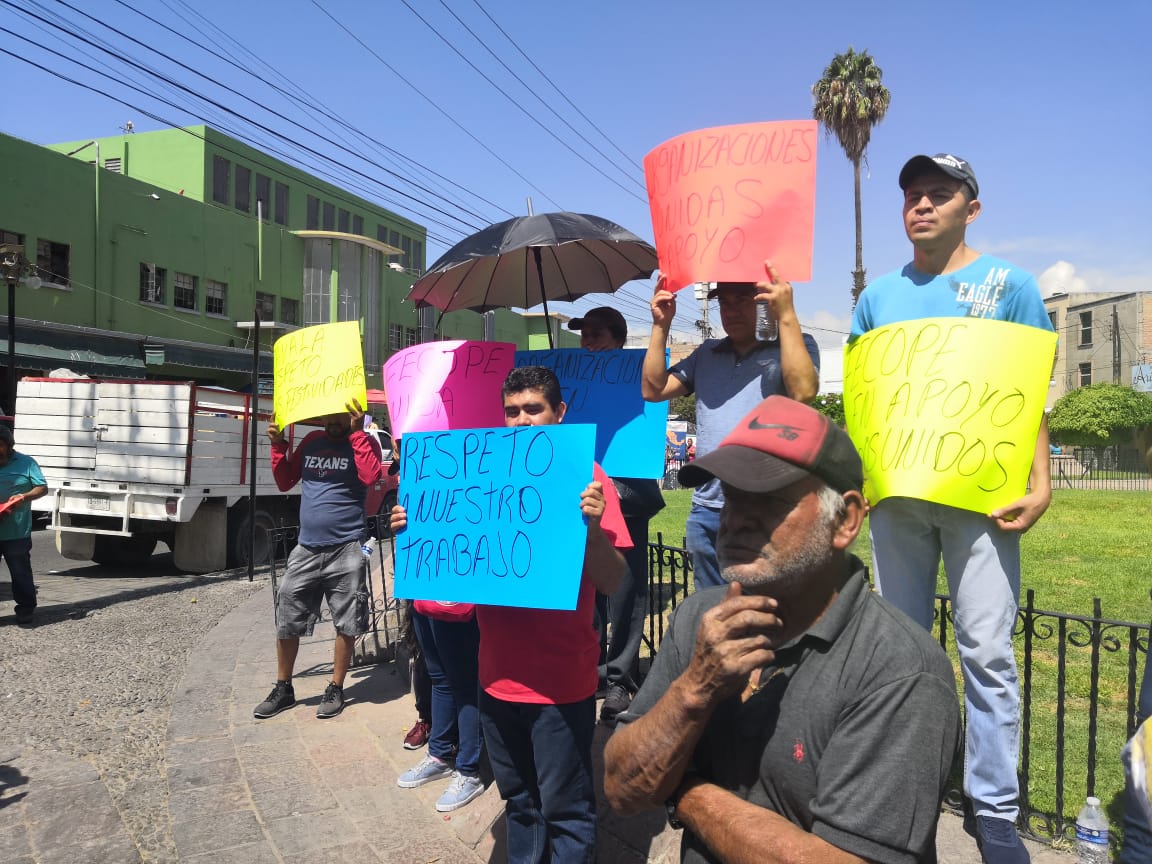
534	259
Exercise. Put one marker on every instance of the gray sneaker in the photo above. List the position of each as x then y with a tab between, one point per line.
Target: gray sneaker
460	791
332	703
280	699
425	771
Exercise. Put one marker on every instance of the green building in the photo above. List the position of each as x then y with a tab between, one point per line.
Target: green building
154	250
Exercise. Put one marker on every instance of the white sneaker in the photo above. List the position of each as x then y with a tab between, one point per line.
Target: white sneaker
425	771
460	791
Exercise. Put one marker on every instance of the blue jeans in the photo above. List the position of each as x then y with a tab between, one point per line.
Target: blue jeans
622	615
451	652
909	537
1137	847
700	530
541	758
17	555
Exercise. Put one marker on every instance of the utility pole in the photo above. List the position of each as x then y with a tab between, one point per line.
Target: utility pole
1115	345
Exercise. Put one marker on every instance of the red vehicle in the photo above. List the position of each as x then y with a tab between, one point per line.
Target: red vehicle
382	494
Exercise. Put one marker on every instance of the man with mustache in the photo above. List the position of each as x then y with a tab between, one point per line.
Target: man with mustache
792	715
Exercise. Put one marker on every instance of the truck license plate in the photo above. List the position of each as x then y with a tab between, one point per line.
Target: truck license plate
98	502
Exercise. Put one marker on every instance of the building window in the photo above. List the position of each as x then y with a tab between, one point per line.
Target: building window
264	195
344	221
289	311
243	188
394	239
184	291
329	222
152	284
221	174
53	262
312	222
266	304
1085	374
382	233
358	225
418	255
1054	317
281	203
406	258
1086	328
113	164
215	297
11	238
400	337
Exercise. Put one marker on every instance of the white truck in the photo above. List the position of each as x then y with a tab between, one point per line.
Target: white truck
131	463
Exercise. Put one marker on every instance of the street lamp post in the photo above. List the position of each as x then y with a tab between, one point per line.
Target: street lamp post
14	267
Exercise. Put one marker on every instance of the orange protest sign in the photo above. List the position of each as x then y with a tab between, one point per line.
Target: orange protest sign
725	199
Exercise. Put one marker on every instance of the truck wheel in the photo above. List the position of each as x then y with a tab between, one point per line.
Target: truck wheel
124	551
239	536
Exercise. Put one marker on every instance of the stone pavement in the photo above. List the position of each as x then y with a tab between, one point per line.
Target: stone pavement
294	788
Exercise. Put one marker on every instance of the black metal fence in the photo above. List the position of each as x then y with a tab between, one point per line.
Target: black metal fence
1079	677
1113	468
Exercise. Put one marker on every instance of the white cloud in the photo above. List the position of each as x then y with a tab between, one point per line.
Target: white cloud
828	329
1061	278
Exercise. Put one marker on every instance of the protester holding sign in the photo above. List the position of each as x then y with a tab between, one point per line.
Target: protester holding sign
981	551
335	466
621	616
538	669
729	376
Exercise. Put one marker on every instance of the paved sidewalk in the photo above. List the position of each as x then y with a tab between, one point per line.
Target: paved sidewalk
281	789
292	788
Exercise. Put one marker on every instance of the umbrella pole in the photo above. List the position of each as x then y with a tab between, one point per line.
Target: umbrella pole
543	294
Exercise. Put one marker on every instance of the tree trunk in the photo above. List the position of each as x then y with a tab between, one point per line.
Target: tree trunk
858	281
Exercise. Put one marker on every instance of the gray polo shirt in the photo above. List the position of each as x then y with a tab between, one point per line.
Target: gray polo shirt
852	737
728	386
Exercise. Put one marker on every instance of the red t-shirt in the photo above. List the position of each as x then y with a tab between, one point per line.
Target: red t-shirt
548	656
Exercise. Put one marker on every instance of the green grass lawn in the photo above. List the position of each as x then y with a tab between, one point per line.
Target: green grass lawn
1090	544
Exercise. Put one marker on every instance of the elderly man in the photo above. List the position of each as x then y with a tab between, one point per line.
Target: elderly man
792	715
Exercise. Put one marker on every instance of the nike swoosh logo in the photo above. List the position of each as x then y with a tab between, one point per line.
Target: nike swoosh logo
789	432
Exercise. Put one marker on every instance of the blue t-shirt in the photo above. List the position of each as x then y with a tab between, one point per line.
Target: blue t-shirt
727	387
17	477
989	287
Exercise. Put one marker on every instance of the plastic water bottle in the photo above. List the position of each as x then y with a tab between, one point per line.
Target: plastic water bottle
767	328
1092	834
367	547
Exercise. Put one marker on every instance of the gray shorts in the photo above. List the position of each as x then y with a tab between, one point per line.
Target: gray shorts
335	573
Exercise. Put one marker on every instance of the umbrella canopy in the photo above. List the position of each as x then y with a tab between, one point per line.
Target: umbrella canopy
534	259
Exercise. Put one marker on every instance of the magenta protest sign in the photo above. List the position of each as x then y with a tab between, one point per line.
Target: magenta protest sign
447	385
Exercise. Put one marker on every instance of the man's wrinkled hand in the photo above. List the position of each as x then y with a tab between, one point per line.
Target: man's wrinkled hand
735	637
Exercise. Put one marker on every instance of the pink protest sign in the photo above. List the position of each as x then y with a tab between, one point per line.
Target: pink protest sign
725	199
447	385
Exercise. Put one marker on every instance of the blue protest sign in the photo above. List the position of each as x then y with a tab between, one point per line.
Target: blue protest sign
603	388
494	515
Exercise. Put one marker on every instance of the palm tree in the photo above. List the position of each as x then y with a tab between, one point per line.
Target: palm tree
848	101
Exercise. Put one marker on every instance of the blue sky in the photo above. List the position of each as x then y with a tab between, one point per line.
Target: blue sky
1051	108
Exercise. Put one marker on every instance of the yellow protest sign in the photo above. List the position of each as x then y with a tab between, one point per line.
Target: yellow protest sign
317	370
947	409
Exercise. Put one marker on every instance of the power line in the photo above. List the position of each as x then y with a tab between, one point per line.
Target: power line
624	171
435	105
310	150
520	107
550	81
